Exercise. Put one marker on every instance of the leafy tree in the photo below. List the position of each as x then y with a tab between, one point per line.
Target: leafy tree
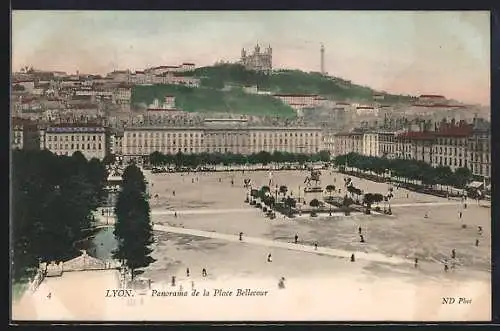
330	189
314	203
283	189
462	177
156	158
133	227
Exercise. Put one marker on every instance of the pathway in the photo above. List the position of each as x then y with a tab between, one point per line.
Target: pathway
375	257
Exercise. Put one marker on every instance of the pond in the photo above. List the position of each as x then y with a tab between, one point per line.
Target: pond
101	245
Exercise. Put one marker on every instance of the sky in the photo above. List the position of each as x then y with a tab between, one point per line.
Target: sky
408	52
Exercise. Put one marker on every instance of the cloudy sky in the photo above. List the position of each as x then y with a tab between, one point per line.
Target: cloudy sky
402	52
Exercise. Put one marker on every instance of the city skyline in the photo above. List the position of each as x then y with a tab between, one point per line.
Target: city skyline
398	52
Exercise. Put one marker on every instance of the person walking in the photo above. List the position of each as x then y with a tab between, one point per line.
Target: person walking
353	258
315	246
296	238
204	272
241	236
187	272
360	230
477	242
453	253
269	258
361	238
480	230
416	262
173	281
459	214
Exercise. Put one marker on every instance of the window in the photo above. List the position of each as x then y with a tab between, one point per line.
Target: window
65	138
50	138
72	138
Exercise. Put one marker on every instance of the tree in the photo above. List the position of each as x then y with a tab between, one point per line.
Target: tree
133	227
330	189
462	177
156	158
314	203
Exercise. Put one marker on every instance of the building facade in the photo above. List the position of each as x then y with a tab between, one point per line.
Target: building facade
258	61
89	140
371	145
142	141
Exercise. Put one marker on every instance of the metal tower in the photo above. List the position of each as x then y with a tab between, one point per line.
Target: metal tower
322	59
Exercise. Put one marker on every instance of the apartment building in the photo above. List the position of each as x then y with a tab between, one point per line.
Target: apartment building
24	134
450	145
142	141
65	140
348	142
479	149
371	146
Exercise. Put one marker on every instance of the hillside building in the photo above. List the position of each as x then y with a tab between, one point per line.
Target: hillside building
258	61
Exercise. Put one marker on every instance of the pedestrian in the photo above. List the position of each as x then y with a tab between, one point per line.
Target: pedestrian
416	262
281	283
269	258
241	236
465	206
296	238
173	193
480	230
453	253
315	246
204	272
49	295
353	259
360	230
446	266
187	272
173	281
460	214
361	238
407	195
175	214
426	215
477	242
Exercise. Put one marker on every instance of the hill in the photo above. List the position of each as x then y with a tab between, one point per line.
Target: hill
205	99
210	96
291	81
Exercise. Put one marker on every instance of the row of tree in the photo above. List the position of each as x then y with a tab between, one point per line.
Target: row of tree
408	169
52	200
194	160
133	228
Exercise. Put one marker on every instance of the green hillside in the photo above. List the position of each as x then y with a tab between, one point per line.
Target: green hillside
290	81
211	98
205	99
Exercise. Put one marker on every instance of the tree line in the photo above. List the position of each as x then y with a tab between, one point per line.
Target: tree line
52	202
194	160
408	169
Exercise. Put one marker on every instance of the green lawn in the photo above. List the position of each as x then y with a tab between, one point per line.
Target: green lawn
212	100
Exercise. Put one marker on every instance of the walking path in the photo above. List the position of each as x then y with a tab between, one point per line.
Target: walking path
375	257
201	211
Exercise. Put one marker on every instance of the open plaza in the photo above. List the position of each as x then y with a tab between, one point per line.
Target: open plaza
197	220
